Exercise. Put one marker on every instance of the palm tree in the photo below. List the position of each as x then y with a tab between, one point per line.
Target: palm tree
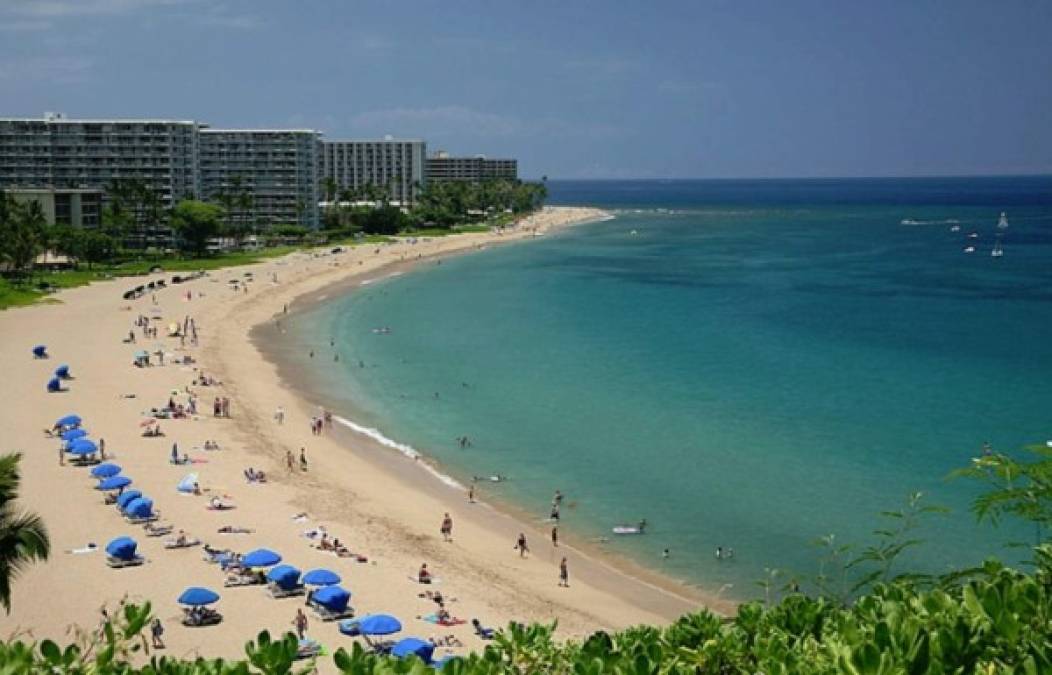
23	537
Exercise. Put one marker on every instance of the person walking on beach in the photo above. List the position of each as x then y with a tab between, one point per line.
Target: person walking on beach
521	545
279	416
447	528
61	456
303	459
102	448
290	461
156	631
300	623
471	488
564	574
555	536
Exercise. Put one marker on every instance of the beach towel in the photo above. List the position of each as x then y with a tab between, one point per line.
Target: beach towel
433	618
90	548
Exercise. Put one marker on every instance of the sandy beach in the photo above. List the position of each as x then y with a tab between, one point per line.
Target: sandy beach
371	498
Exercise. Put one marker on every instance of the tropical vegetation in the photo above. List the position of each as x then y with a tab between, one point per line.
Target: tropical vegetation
988	619
137	231
23	536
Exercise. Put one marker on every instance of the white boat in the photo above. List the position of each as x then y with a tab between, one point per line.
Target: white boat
955	228
973	235
630	529
998	250
969	249
1002	222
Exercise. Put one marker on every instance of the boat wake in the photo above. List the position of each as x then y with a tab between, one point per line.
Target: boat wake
947	221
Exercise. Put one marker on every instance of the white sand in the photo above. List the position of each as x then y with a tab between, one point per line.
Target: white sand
391	517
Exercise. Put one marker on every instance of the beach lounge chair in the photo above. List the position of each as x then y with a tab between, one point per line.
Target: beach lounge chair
245	579
284	582
140	511
157	530
308	649
331	603
121	553
186	543
198	618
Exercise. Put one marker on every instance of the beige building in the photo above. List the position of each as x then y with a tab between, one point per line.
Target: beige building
77	207
442	167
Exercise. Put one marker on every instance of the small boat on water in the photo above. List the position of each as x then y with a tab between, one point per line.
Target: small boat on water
998	250
973	235
955	228
969	249
631	529
1002	222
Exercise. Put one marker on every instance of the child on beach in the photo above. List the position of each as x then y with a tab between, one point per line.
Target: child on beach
521	546
447	528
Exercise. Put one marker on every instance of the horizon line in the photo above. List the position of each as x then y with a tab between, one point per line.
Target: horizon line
1047	174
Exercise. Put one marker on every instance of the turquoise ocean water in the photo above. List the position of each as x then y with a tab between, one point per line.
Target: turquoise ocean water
751	364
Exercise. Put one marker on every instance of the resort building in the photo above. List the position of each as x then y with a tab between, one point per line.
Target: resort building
76	207
277	169
60	153
397	166
442	167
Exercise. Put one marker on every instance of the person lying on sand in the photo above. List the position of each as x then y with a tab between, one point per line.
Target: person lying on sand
217	504
234	529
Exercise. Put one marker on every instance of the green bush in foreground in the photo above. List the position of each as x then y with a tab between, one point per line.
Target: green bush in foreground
997	621
987	620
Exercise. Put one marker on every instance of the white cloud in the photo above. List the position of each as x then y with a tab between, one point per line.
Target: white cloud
20	26
443	119
57	69
61	8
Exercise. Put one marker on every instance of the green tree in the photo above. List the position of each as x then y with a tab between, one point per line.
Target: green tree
23	537
23	232
195	222
329	189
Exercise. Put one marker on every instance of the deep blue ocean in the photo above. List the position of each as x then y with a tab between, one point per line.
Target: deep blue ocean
746	364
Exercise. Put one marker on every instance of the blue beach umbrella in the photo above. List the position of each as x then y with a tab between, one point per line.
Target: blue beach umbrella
127	497
74	434
412	646
321	577
114	483
378	624
285	576
62	371
40	351
122	547
82	446
106	470
141	507
68	421
54	384
261	557
196	596
332	597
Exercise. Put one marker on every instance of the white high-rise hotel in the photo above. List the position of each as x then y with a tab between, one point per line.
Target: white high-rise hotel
282	170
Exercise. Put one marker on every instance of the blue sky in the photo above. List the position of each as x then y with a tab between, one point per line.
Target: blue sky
574	89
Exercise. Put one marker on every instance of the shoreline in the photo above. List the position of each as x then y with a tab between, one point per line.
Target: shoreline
380	513
390	454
